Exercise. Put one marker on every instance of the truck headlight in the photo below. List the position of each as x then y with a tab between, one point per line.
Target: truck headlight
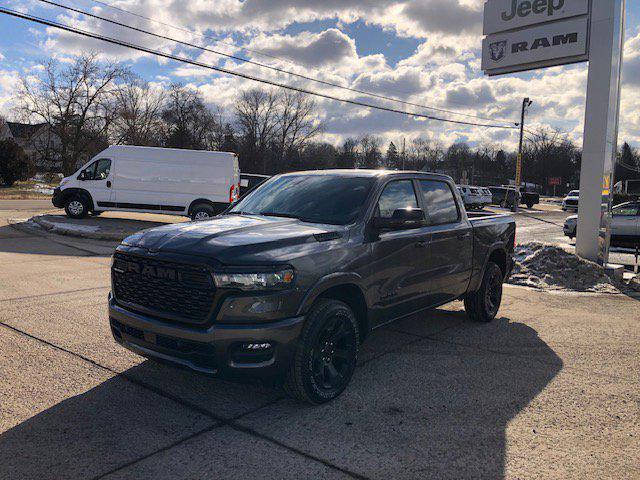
278	280
64	181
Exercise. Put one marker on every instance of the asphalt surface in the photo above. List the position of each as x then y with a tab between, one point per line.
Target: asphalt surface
548	390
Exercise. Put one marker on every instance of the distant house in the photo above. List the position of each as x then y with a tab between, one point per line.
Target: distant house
37	141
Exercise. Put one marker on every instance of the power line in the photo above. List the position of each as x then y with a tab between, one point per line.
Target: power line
68	28
252	62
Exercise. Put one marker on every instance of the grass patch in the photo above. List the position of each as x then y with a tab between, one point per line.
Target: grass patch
29	189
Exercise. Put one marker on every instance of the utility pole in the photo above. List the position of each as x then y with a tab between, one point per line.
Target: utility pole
404	144
525	104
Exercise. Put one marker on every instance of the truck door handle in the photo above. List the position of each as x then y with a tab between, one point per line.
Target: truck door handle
462	236
422	244
108	183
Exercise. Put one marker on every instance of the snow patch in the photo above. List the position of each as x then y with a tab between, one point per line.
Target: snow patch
548	267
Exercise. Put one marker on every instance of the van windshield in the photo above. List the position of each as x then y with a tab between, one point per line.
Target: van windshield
311	198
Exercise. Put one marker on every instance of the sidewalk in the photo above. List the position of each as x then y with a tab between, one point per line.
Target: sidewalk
105	227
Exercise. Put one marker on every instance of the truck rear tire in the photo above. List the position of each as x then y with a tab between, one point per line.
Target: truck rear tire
483	305
326	353
76	207
202	211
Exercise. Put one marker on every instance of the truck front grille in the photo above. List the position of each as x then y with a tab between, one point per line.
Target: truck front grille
174	291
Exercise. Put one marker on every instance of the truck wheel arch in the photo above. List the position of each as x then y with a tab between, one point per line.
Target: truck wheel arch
69	192
346	288
218	207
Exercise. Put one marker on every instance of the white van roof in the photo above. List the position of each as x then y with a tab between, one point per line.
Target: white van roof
159	153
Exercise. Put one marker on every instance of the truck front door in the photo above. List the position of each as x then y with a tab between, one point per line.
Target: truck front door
398	258
450	256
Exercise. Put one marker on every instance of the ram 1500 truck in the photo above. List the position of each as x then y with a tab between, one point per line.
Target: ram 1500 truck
291	279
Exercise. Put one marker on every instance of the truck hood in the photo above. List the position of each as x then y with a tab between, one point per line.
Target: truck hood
238	239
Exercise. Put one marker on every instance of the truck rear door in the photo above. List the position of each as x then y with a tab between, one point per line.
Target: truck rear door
450	253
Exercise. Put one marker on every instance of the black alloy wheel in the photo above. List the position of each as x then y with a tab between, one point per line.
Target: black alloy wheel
326	354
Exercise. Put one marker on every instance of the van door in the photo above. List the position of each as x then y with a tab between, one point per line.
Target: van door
97	179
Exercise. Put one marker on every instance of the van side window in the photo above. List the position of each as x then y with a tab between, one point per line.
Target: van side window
98	170
396	195
439	202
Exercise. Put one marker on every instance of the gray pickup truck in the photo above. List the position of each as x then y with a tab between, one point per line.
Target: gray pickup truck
291	279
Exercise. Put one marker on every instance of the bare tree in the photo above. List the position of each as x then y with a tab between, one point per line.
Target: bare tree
371	156
76	103
295	121
138	114
257	116
190	124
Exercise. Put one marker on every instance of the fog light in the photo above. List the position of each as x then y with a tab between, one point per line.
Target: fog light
256	346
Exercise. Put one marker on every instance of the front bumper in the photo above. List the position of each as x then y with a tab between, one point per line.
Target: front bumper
569	231
217	349
57	199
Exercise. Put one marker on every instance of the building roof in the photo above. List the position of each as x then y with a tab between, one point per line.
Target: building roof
24	130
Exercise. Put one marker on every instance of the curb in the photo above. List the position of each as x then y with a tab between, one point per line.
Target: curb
71	232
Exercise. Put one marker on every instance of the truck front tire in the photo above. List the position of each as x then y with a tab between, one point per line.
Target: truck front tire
76	207
483	305
326	353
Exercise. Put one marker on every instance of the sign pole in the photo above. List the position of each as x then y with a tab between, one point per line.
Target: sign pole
600	130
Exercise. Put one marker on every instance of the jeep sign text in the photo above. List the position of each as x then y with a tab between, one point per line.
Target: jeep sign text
504	15
536	47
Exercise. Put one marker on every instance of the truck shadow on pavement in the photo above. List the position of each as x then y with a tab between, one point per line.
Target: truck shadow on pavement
437	404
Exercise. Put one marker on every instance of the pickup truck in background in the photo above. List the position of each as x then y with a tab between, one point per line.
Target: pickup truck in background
291	279
504	196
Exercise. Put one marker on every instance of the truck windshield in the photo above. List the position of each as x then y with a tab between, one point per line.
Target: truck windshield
311	198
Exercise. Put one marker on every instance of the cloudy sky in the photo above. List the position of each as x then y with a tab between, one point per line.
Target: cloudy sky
423	51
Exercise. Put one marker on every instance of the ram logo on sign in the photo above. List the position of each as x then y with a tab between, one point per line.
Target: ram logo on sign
529	34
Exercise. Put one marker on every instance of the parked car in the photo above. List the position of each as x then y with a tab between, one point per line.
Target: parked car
196	183
249	181
471	197
289	281
625	225
486	196
570	202
505	195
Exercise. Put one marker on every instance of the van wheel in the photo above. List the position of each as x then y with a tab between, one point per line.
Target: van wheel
529	205
326	354
76	207
202	211
483	305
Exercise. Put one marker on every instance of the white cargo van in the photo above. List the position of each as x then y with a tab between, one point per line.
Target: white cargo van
196	183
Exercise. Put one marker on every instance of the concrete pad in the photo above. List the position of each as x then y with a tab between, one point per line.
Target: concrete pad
431	410
64	418
79	323
225	453
582	330
50	275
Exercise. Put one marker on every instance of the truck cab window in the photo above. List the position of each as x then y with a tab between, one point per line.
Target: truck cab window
396	195
439	201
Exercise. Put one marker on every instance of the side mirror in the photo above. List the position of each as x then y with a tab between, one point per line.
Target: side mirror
402	219
82	176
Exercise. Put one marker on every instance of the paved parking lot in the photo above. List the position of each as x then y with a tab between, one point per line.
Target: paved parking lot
549	390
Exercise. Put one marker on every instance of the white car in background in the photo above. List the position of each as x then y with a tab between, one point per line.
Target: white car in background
471	197
570	202
625	225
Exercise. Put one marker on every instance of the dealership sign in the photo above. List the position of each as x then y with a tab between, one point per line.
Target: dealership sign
529	34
